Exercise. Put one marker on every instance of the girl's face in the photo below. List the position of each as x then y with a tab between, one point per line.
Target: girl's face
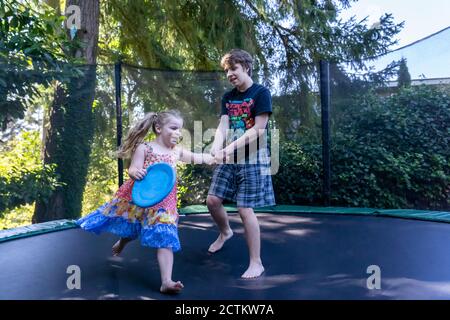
170	132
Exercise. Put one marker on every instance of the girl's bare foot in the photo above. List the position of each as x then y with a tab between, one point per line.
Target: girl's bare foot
254	270
171	287
218	244
119	245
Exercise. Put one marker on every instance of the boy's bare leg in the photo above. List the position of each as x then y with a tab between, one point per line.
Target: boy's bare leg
252	233
220	216
165	261
119	245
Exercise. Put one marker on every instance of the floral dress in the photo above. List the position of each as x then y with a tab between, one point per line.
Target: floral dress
156	226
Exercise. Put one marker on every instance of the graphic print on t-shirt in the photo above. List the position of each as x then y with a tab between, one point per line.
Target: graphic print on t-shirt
239	113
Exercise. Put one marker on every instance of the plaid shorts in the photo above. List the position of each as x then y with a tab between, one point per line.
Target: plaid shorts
245	184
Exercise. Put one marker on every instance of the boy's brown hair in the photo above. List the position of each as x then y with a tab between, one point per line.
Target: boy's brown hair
237	56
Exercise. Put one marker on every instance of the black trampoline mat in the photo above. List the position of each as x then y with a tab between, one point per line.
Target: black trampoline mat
307	256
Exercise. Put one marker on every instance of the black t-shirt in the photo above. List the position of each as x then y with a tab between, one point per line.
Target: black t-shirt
242	108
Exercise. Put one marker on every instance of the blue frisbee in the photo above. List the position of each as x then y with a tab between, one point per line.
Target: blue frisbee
156	185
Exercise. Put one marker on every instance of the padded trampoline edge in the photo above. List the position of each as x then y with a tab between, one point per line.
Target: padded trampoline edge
426	215
431	216
36	229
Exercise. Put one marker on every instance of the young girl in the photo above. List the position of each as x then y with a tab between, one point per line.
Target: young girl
156	226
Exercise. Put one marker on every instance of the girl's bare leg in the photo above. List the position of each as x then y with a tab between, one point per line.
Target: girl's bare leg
119	245
165	261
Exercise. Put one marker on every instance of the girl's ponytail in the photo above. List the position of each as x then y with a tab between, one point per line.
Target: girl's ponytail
136	135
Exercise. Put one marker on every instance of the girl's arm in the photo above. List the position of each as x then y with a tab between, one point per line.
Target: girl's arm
136	170
196	158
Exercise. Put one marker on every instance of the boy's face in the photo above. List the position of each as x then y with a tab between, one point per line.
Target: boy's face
236	75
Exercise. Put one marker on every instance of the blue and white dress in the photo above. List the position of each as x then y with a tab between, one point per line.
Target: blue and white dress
155	226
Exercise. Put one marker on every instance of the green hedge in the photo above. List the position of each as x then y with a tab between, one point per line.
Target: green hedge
394	151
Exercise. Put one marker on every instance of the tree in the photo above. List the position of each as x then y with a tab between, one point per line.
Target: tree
68	141
288	38
30	55
194	34
403	76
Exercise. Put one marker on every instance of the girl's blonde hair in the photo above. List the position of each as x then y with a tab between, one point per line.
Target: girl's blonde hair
137	133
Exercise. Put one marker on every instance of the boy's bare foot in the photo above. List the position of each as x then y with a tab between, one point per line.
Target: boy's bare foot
218	244
119	245
254	270
171	287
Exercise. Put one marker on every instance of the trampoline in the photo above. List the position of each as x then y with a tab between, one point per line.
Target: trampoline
306	255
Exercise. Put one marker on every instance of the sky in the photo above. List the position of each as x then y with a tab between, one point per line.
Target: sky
422	17
426	59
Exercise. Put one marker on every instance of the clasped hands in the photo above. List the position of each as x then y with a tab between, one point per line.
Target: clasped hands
216	157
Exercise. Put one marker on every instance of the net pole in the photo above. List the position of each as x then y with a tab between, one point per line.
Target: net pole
325	117
118	86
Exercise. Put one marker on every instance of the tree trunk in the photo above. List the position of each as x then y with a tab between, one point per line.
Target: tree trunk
68	140
55	4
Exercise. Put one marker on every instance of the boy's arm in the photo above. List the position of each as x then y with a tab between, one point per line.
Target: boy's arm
249	136
196	158
136	170
220	135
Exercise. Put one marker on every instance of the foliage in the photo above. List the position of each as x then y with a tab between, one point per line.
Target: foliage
17	217
68	144
298	180
30	54
101	180
23	179
387	152
403	141
24	186
193	183
393	151
170	34
286	38
73	139
282	34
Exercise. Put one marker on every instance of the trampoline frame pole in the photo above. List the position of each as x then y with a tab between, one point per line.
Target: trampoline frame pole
118	85
325	117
